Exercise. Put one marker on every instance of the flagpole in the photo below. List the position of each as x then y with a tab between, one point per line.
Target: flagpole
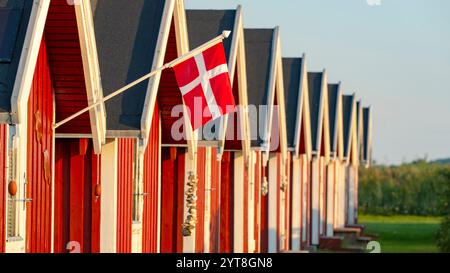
196	51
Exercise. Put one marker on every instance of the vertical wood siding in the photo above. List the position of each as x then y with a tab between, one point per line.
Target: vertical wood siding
172	194
215	202
234	124
151	181
3	182
199	228
226	203
264	222
39	157
169	94
64	54
77	209
125	159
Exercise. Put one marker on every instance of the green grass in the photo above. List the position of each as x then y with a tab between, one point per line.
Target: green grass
403	234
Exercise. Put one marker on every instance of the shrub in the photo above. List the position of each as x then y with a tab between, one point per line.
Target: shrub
410	189
443	235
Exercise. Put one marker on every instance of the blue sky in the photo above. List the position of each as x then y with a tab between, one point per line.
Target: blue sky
395	56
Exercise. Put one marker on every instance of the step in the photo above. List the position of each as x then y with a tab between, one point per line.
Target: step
331	243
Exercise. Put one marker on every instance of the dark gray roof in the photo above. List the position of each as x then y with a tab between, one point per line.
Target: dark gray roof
358	117
333	102
347	109
126	33
204	25
366	134
292	70
258	50
315	90
14	19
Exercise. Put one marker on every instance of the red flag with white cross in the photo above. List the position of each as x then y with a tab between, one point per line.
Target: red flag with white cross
205	84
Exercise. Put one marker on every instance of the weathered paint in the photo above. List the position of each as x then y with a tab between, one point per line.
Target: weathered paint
125	176
39	157
172	198
226	203
201	175
77	208
64	55
3	139
151	188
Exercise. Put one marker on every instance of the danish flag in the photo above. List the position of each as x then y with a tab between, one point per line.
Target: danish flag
205	84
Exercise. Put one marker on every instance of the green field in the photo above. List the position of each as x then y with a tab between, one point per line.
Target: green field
403	234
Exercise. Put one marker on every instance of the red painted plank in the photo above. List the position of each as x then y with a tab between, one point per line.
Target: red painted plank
151	179
169	94
76	175
226	203
125	194
77	181
40	117
64	55
172	194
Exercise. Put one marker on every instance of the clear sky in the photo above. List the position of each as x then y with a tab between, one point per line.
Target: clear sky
395	56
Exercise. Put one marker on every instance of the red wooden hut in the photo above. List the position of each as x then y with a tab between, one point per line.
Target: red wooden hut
299	145
48	85
351	158
144	166
230	138
268	134
334	168
318	102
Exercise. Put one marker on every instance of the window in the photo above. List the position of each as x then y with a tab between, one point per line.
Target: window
10	17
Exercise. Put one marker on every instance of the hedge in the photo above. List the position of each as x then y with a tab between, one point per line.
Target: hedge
410	189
